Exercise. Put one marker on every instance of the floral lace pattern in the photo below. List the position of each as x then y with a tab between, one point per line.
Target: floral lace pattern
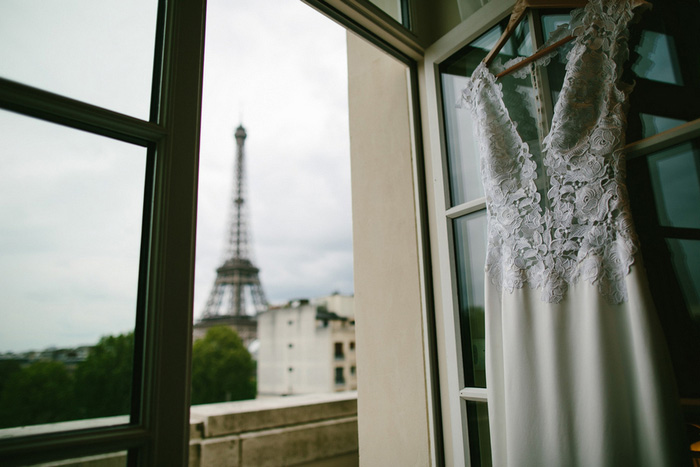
585	229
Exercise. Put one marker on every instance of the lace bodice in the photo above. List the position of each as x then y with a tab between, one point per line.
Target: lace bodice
580	227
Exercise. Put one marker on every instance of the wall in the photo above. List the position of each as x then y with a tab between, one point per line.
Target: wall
290	338
392	402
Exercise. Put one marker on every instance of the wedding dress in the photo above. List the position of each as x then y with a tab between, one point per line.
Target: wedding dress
578	373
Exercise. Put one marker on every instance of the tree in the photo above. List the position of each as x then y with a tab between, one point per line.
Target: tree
7	368
103	380
40	393
222	368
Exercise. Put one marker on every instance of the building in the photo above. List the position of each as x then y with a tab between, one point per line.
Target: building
409	339
307	347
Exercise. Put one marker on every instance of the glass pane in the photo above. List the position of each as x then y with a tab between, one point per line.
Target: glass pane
479	440
665	68
97	52
71	204
675	175
551	22
393	8
685	255
658	60
462	147
655	124
470	257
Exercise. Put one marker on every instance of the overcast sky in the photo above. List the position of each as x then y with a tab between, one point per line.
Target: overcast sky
71	202
279	68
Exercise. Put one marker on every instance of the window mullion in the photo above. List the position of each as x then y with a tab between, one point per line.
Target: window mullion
52	107
474	394
663	140
466	208
66	445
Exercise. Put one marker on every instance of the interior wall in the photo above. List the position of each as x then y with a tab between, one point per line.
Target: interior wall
392	397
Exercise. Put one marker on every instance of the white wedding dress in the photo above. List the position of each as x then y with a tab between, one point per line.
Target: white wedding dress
578	373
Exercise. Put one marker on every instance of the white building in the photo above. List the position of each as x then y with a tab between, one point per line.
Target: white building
307	347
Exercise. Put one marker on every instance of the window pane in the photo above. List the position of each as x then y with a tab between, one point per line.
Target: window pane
685	255
393	8
479	440
470	257
71	204
675	175
666	69
97	52
655	124
462	146
658	58
550	22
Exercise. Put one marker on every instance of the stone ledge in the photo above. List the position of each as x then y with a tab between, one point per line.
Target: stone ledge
244	416
301	444
312	430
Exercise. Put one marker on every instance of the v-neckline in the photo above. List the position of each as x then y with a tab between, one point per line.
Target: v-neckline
556	107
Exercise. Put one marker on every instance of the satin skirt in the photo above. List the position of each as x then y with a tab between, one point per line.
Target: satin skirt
581	382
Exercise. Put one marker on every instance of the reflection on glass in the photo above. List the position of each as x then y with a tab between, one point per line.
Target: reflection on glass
655	124
470	257
657	60
71	208
394	8
462	146
96	52
685	255
551	22
675	175
479	440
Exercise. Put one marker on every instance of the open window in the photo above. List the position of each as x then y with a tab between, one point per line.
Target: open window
663	182
101	110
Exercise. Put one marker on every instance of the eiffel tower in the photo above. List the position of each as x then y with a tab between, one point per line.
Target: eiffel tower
227	300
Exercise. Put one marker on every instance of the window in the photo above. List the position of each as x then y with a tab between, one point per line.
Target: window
108	170
663	181
339	377
338	352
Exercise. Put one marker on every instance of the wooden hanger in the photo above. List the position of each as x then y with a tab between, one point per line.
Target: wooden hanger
519	13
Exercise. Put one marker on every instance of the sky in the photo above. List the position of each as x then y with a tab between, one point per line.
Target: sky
71	201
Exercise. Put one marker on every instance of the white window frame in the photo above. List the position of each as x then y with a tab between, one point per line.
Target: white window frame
453	391
455	427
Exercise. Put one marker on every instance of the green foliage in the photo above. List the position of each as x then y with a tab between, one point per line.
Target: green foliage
47	392
222	368
40	393
103	380
7	368
100	386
